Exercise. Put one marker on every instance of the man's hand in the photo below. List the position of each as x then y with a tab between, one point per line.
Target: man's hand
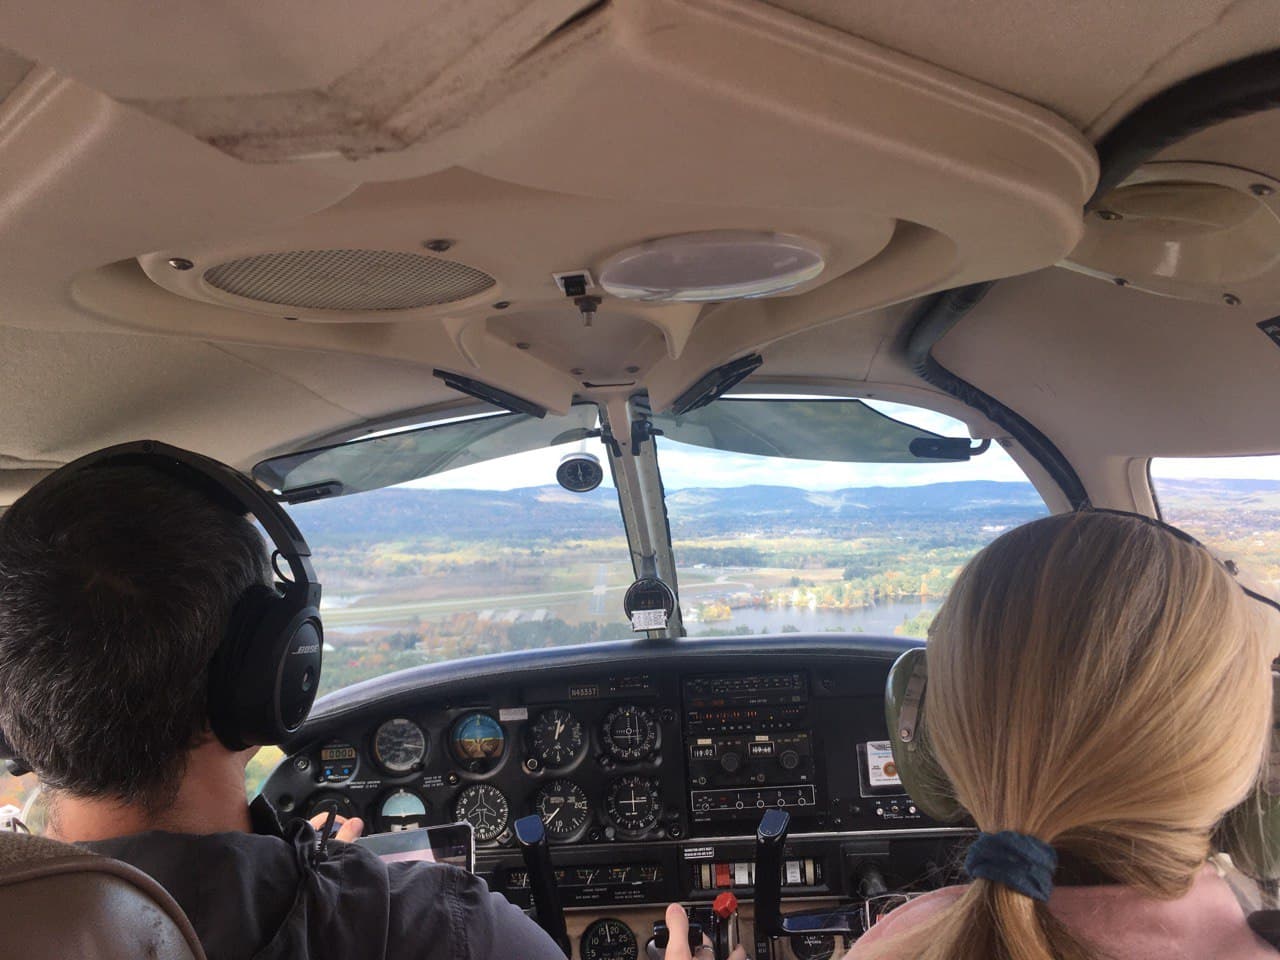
349	828
678	944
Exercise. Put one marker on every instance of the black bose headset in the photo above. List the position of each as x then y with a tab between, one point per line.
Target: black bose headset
265	673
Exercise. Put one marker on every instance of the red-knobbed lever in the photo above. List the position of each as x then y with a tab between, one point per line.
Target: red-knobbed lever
724	929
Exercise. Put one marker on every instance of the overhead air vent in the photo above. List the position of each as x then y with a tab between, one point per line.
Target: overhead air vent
354	280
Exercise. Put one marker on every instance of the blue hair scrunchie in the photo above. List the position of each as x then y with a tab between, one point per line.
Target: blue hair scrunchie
1017	860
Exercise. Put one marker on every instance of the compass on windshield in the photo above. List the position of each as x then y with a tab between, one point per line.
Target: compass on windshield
579	472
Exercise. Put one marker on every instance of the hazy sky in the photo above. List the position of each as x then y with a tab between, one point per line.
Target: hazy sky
686	466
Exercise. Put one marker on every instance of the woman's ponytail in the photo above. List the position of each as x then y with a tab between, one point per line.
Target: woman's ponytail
1077	674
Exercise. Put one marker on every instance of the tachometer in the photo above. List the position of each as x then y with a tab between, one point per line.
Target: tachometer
485	808
478	741
608	939
633	803
556	738
399	746
630	733
812	946
564	809
401	810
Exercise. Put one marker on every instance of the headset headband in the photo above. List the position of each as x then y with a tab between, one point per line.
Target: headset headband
222	483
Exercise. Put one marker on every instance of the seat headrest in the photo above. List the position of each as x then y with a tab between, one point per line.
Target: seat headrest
62	901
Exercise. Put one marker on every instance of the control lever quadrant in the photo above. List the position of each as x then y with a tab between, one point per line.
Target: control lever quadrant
531	834
770	923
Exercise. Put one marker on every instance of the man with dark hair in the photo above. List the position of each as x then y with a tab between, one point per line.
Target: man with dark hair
116	586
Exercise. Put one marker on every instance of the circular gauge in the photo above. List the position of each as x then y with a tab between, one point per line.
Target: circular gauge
478	741
326	800
556	738
633	803
485	808
401	810
399	745
608	939
564	809
630	733
579	472
812	946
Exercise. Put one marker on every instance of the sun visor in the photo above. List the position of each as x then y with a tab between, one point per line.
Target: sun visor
845	431
384	461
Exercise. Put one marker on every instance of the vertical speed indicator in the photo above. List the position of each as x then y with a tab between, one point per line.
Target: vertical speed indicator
564	809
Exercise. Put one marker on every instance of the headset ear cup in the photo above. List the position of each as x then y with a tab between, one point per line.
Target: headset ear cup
265	677
1250	833
922	776
226	671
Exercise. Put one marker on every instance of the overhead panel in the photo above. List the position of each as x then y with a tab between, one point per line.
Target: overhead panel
632	128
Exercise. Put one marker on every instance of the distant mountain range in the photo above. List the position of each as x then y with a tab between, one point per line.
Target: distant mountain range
549	511
1223	491
533	513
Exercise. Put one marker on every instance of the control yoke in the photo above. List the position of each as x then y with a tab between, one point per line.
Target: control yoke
531	834
771	837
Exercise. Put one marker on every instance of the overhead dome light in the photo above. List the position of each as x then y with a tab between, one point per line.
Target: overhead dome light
717	265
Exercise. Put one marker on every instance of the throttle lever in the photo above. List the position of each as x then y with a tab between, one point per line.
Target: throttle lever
531	834
656	948
771	835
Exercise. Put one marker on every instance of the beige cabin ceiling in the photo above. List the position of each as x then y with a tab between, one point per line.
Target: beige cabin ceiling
919	146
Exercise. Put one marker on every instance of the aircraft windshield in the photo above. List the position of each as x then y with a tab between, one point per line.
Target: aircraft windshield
771	545
496	555
486	558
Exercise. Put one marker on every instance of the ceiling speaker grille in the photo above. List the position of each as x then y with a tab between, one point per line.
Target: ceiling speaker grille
348	279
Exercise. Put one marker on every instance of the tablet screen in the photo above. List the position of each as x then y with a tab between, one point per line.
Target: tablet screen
452	843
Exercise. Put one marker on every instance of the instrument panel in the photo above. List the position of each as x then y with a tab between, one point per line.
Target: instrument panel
592	769
650	773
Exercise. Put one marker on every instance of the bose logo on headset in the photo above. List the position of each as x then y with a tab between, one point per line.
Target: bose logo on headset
306	648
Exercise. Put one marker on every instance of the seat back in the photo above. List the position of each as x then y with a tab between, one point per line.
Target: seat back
59	901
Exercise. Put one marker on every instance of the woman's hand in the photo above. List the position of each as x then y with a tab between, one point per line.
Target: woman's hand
678	942
349	828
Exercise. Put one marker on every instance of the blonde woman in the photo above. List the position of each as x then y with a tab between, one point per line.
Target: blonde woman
1099	695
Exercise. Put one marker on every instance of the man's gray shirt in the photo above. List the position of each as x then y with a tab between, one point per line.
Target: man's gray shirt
272	894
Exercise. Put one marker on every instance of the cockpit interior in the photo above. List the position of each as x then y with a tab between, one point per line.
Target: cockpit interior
641	374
